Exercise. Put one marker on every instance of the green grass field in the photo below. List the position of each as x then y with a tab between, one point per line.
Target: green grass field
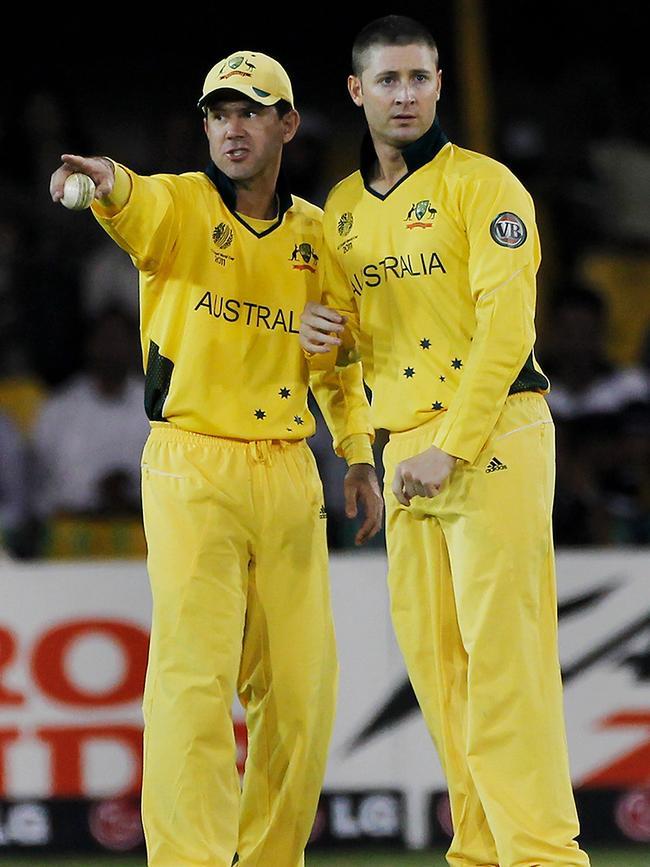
633	857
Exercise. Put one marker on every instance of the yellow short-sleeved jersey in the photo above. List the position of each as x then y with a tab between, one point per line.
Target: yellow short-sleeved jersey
438	279
220	304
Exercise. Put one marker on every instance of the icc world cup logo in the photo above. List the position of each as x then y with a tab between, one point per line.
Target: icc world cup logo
222	238
222	235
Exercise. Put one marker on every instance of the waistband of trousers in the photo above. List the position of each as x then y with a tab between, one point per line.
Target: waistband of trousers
432	424
257	449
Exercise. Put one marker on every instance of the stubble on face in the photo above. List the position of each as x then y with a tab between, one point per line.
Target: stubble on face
245	140
398	88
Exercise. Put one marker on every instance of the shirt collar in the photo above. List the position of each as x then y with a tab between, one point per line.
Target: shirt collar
228	192
416	154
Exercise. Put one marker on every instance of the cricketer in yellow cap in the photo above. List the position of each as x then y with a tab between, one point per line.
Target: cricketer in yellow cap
233	506
256	75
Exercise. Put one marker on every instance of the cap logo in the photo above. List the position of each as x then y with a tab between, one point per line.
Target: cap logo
260	92
508	230
234	63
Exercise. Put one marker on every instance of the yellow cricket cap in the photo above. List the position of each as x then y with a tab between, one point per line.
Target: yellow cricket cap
256	75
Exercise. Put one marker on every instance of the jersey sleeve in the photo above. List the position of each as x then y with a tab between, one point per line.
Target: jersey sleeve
336	378
503	259
338	294
341	397
146	225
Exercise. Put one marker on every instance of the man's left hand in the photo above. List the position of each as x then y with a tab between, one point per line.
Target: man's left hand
361	486
422	475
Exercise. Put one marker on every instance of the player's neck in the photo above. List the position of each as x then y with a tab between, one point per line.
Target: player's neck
256	197
389	168
257	205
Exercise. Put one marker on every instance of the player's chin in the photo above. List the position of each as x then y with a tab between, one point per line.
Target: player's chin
406	134
237	170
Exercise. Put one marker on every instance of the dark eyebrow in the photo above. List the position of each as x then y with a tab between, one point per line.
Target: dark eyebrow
236	105
411	72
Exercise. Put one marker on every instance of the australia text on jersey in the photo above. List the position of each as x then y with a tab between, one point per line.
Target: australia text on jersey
413	265
250	313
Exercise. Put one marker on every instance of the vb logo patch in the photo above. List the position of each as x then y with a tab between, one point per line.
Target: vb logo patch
304	258
508	230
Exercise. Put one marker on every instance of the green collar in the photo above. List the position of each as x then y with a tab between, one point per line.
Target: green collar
416	154
228	192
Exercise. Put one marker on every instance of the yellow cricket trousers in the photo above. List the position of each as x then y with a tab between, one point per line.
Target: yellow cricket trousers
237	559
473	602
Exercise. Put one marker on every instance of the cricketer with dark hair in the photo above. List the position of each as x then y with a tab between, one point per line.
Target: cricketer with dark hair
431	253
233	506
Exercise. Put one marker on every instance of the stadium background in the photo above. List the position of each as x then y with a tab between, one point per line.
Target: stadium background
558	93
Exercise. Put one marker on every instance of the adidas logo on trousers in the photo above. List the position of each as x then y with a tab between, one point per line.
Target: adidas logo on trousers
494	465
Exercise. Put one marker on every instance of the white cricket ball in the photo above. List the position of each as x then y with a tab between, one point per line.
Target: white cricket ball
78	192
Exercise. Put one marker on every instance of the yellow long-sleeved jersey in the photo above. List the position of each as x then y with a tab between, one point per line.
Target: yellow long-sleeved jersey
437	279
220	300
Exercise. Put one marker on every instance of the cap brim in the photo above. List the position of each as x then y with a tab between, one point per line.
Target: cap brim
250	92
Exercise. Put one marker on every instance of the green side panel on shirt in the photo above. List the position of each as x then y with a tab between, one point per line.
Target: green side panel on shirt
157	381
529	379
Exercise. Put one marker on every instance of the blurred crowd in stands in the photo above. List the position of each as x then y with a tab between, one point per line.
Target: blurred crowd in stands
72	422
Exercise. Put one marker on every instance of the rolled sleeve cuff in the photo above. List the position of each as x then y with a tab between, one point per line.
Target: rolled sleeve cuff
357	449
318	361
457	447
